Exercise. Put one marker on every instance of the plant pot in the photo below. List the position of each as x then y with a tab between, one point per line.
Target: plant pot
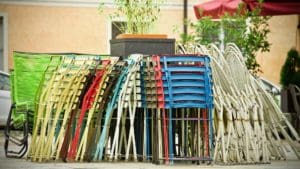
148	44
142	36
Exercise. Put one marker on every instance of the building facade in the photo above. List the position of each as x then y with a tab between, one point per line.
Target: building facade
48	26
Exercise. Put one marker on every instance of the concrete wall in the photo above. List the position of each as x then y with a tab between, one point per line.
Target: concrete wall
65	28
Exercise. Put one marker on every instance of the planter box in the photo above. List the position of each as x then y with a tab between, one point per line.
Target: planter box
147	46
142	36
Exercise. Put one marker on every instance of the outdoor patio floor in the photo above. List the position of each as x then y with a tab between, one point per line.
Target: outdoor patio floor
7	163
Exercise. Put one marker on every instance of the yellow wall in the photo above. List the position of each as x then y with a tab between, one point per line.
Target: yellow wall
68	29
83	30
283	37
54	29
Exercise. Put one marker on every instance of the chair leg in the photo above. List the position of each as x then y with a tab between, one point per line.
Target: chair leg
22	143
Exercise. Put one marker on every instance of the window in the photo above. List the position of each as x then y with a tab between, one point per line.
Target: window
4	82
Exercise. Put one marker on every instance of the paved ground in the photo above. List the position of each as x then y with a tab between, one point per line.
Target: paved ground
6	163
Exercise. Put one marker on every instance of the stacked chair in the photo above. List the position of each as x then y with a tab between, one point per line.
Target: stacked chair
32	71
158	109
185	92
144	108
24	79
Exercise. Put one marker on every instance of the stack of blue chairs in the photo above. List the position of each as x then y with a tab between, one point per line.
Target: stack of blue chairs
187	81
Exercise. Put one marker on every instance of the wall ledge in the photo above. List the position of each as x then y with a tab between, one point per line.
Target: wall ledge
81	3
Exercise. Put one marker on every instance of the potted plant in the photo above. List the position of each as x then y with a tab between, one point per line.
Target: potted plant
140	15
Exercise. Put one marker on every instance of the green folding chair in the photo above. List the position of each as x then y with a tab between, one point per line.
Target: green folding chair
29	68
30	74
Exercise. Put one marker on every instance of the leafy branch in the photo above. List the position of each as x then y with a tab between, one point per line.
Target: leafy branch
247	29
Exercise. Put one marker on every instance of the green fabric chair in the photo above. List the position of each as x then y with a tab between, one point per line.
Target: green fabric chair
29	68
30	74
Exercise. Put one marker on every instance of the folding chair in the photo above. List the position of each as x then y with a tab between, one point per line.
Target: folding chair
187	84
28	71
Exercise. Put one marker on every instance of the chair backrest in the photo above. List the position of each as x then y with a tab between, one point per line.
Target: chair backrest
29	72
187	81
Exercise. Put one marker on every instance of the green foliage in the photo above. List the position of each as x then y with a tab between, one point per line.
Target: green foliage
256	40
184	38
139	15
290	71
246	29
207	31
